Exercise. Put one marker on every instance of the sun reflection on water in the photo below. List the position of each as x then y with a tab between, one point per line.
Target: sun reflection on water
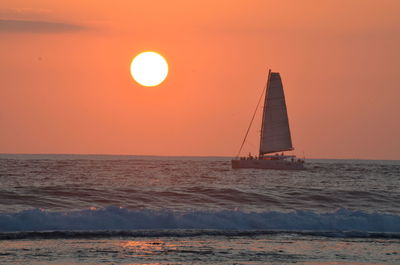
148	247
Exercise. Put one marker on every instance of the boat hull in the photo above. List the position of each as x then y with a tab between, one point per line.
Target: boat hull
268	164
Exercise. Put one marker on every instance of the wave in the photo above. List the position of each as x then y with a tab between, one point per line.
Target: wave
187	233
122	219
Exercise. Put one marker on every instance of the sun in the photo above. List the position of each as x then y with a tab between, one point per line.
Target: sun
149	68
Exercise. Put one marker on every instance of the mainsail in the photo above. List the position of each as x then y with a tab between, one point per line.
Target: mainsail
275	131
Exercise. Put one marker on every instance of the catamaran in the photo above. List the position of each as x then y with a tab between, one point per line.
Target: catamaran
275	132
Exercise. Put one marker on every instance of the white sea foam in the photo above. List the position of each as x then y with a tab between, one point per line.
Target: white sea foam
114	218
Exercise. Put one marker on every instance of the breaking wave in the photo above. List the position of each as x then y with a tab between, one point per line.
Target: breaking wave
187	233
122	219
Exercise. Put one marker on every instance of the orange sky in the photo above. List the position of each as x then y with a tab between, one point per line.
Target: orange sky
65	85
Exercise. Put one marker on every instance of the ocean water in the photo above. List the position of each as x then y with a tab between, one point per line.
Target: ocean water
82	209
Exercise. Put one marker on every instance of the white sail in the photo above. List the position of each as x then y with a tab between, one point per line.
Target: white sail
275	131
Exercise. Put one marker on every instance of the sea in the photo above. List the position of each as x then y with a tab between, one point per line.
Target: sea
106	209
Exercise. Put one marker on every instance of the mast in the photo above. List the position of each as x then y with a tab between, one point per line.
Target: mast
263	116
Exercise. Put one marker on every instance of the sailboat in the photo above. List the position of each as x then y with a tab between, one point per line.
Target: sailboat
275	132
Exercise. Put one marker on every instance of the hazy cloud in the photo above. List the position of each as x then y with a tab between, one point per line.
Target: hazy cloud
36	26
15	12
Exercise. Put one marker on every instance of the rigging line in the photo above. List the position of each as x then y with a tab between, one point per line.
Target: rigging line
252	119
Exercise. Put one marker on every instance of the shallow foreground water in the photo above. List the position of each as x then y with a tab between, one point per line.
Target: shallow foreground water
272	249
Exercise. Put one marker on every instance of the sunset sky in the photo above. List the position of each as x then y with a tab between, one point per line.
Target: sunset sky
65	85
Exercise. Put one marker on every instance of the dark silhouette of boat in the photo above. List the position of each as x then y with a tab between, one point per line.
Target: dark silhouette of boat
275	132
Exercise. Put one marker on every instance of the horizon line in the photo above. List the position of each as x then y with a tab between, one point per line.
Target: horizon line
204	156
